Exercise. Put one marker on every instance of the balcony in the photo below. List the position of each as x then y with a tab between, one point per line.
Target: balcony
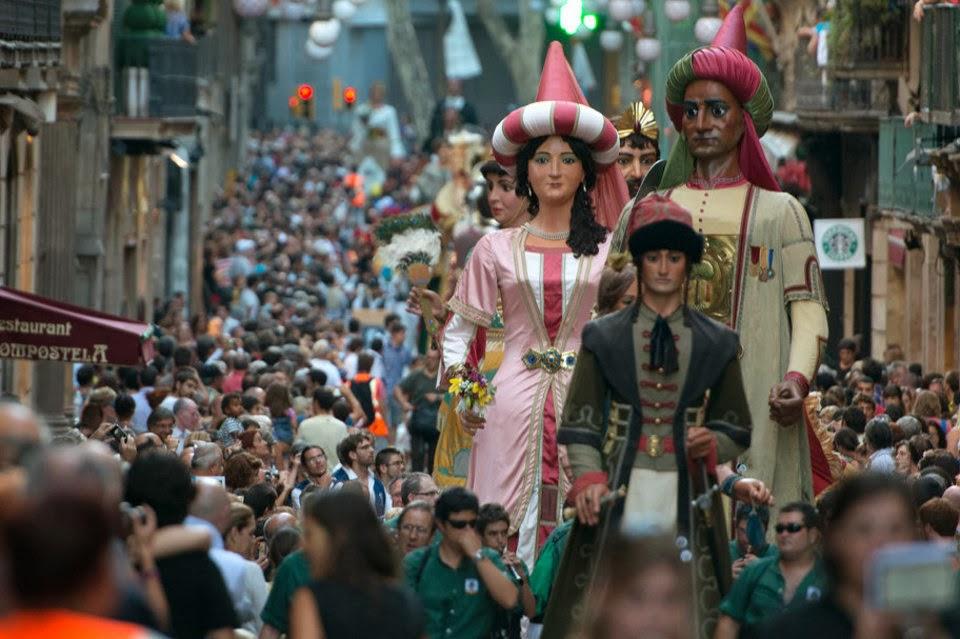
826	102
156	87
940	65
870	40
904	175
29	33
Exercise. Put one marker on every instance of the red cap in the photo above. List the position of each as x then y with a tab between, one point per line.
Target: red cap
557	81
733	32
657	208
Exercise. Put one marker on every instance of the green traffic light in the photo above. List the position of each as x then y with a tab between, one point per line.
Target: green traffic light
571	14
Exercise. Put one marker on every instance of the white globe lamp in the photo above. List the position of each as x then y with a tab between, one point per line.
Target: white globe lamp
620	9
676	10
343	10
325	32
317	52
611	40
648	49
706	28
251	8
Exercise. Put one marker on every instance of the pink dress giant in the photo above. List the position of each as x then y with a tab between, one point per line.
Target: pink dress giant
548	295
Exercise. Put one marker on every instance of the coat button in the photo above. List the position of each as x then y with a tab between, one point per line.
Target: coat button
659	386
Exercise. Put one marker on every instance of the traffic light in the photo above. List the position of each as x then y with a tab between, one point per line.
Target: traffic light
572	17
302	105
305	92
295	107
349	97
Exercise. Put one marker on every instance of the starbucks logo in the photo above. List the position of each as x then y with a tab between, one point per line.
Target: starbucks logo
839	243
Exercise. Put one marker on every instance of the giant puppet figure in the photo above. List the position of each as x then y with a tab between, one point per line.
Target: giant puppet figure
760	273
546	274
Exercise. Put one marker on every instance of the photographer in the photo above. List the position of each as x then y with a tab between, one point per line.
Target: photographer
867	513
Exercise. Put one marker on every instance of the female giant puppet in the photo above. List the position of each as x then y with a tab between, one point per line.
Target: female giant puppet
546	273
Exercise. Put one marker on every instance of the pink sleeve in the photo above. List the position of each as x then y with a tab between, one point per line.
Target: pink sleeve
476	296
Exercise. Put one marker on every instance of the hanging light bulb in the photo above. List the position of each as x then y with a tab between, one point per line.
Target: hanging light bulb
620	9
611	40
250	8
648	46
325	32
706	28
343	10
676	10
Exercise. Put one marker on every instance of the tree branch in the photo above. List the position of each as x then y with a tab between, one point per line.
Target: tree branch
496	26
408	60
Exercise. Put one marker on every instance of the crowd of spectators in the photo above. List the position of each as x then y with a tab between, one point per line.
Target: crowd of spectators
267	472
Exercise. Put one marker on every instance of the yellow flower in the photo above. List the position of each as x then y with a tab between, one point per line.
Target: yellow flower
455	385
475	388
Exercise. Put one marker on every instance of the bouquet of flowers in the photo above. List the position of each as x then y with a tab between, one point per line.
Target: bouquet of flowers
472	389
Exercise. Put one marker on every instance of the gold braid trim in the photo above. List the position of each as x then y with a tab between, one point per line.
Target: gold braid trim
470	313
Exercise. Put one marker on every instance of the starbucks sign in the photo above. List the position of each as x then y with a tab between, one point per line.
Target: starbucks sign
840	243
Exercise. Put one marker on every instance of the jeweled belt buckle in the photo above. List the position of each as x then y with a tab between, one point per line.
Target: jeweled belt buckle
550	360
654	446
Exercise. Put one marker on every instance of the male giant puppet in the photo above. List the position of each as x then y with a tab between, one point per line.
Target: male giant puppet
760	273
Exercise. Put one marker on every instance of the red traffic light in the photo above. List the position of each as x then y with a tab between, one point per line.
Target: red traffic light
349	95
293	102
305	92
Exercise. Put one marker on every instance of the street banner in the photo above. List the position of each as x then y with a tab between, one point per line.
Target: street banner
840	243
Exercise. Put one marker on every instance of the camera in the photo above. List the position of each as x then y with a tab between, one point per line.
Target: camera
128	515
912	577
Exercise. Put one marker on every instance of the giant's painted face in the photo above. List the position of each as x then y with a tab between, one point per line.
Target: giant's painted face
712	120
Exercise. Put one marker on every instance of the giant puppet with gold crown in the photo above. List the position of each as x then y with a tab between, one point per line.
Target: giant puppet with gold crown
544	274
760	273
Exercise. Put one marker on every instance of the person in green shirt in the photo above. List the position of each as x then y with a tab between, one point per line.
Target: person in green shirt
493	525
545	570
775	584
750	544
293	572
461	584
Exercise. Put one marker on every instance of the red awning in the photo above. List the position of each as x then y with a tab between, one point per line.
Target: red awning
34	327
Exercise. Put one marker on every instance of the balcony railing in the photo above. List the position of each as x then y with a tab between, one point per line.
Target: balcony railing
157	77
869	41
29	33
821	94
940	63
30	20
905	180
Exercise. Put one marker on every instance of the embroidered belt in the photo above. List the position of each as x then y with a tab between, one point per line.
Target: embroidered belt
655	445
550	360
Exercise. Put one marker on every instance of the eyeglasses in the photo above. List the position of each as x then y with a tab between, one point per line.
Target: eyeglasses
791	528
410	528
429	493
460	524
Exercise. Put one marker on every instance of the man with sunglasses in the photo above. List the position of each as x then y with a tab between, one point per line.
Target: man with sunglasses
771	585
461	584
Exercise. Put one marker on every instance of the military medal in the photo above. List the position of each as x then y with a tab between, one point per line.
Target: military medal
754	261
763	270
770	271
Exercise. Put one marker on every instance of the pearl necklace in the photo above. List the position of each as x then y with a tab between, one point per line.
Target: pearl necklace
543	235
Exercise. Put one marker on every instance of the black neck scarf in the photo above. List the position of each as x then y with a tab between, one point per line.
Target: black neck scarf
663	348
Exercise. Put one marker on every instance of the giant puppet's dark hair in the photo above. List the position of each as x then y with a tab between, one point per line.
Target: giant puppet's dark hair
586	233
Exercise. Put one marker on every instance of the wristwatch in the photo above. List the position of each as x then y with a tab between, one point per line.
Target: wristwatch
478	556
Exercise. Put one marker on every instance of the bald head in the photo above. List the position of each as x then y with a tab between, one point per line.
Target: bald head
952	495
276	522
89	469
20	430
212	504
